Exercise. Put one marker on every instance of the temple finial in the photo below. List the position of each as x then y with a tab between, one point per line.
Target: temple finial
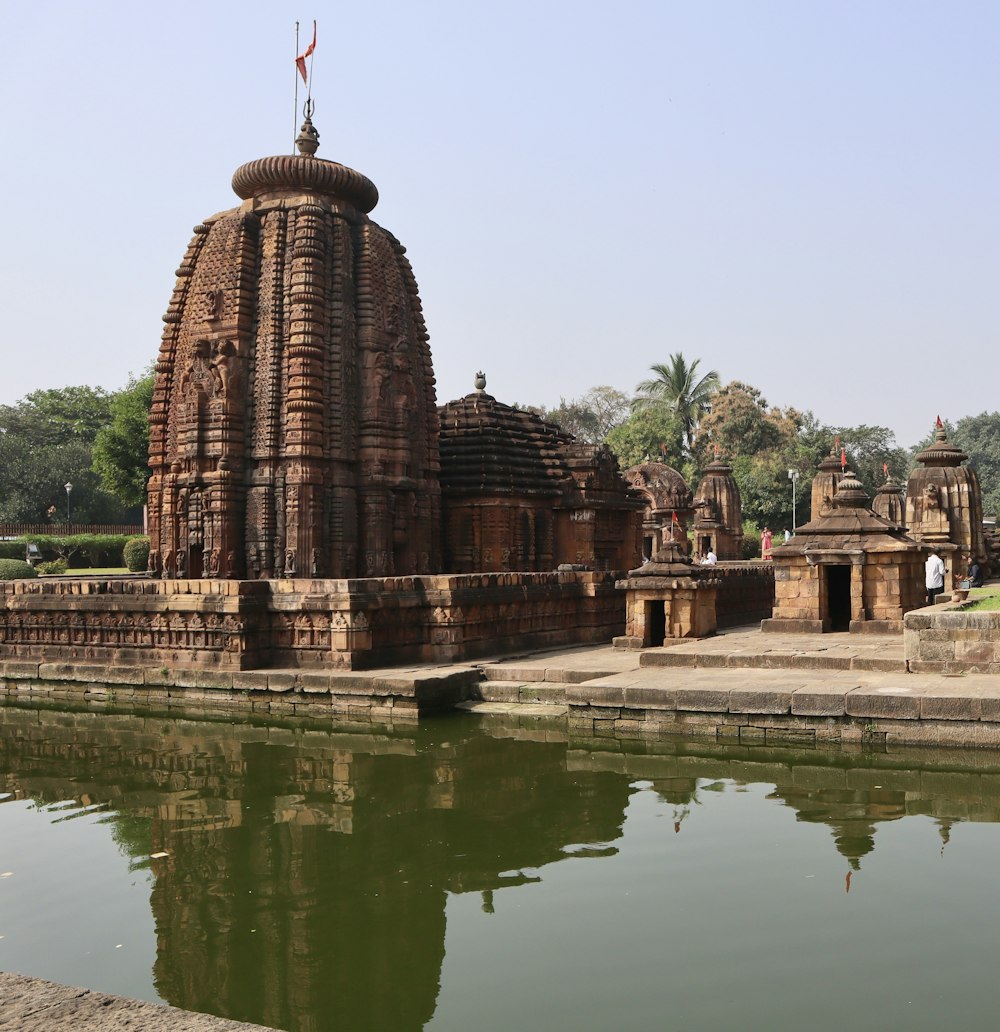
480	381
308	139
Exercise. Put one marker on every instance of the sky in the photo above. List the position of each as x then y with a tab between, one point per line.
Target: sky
801	195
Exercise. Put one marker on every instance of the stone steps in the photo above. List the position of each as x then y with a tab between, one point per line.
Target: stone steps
773	660
545	692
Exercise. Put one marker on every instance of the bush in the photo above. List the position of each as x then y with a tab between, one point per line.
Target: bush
751	540
12	549
81	549
135	554
16	569
55	567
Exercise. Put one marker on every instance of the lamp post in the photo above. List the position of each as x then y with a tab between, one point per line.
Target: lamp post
69	487
793	476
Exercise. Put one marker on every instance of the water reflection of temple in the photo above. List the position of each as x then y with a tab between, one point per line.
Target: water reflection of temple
307	873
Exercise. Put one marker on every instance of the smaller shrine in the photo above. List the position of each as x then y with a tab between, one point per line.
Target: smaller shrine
521	494
824	485
944	507
668	598
718	522
669	505
889	502
850	569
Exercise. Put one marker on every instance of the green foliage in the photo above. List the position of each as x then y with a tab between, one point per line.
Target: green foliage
868	449
16	569
592	417
650	434
135	554
121	449
677	389
57	566
751	540
12	549
45	442
58	416
82	549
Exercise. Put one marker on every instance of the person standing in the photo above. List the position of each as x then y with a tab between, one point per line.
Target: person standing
934	576
766	540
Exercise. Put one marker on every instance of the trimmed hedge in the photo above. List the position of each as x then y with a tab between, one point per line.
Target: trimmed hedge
135	554
79	550
16	569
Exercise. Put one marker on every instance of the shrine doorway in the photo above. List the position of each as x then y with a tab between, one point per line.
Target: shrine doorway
838	596
656	623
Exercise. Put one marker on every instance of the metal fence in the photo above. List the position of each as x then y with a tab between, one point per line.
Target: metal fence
16	530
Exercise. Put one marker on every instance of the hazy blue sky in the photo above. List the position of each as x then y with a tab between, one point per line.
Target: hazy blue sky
801	193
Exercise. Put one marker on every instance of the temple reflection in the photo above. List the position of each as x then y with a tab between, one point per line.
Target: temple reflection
306	872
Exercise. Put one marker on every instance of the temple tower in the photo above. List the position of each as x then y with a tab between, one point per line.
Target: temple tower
718	523
944	506
825	483
889	504
294	430
669	506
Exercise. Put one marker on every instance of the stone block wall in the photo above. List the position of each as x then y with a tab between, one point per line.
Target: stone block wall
940	639
246	625
746	593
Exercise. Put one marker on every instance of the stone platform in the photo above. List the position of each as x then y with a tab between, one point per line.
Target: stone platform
34	1005
741	685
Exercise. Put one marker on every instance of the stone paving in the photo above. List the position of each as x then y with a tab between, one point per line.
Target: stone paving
744	683
34	1005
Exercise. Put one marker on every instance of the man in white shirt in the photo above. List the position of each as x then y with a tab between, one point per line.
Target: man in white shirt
710	559
934	576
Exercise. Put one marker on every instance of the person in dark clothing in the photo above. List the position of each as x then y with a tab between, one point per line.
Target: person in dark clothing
975	574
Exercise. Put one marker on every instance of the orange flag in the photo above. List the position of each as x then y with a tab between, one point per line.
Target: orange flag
843	458
300	61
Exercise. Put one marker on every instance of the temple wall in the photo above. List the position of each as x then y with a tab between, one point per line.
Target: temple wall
746	594
937	639
245	625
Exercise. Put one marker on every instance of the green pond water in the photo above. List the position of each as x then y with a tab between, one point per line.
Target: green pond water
479	875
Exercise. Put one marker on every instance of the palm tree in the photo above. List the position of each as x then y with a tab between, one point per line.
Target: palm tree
677	388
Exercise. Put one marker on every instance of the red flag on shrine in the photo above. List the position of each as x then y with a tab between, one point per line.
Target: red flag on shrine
673	517
940	425
843	458
885	469
663	448
300	61
716	451
836	441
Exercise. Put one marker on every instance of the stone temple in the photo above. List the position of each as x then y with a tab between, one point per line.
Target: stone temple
294	430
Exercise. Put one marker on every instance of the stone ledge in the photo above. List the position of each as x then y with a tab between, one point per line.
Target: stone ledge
34	1005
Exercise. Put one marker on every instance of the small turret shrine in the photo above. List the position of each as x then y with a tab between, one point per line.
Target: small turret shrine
718	522
944	506
293	430
824	485
889	503
519	493
668	598
669	505
847	570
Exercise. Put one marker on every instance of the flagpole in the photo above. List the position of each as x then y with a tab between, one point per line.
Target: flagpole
295	106
312	57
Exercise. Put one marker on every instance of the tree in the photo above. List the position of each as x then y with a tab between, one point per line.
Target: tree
649	435
678	389
58	415
739	422
45	443
869	449
121	450
592	417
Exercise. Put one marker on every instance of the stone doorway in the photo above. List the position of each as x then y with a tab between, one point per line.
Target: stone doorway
838	596
656	624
